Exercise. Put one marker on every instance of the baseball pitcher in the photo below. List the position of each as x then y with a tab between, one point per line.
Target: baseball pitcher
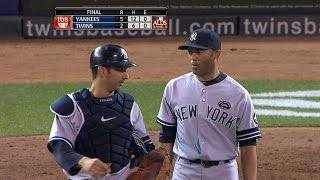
206	115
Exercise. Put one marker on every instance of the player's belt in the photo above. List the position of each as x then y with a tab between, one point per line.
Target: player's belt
205	163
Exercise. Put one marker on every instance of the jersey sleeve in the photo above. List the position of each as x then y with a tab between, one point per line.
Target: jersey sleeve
65	127
247	129
166	116
139	127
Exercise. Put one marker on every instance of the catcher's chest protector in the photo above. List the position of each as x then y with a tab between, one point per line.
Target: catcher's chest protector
107	131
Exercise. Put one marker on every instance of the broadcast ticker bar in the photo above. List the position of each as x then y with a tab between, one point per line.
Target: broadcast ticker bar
111	11
102	18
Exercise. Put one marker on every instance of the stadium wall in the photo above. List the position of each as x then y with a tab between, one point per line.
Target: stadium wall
34	18
9	7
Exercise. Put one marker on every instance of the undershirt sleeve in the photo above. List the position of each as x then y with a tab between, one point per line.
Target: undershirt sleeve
168	134
65	156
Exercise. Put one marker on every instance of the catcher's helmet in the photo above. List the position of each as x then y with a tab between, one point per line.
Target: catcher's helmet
110	55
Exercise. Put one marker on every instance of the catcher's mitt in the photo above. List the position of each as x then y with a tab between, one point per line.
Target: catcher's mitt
154	165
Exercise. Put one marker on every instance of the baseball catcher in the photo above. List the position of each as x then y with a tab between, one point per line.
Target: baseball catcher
154	165
94	131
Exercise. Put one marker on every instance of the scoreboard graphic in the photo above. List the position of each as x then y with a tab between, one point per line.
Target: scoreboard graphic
110	18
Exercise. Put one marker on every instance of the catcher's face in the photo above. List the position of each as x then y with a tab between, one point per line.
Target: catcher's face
203	62
117	77
114	77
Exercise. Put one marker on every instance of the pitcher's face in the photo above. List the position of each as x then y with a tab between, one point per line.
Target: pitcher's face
203	62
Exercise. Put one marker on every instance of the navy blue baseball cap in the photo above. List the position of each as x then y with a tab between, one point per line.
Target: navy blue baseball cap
203	39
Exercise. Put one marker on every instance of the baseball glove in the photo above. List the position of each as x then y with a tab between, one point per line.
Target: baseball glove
154	165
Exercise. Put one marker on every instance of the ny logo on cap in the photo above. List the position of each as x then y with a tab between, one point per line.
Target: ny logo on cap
125	54
193	36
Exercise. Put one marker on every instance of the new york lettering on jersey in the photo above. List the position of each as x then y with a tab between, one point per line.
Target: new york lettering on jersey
213	113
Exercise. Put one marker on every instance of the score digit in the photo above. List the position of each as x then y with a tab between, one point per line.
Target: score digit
133	18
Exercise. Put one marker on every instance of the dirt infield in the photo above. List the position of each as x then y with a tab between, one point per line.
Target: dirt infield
283	153
159	59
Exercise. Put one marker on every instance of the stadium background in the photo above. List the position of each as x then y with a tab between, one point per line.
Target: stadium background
253	49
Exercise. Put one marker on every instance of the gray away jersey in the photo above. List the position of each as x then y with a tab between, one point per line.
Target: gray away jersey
66	128
211	120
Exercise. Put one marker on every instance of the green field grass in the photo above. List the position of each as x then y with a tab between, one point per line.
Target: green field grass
24	108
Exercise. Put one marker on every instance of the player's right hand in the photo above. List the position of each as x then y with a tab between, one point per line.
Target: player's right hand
95	167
